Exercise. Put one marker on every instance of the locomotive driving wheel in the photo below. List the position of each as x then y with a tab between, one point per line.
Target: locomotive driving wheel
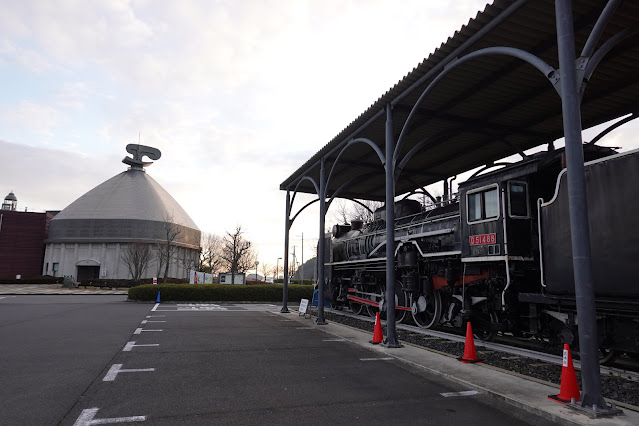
427	310
487	335
356	308
401	301
607	356
379	299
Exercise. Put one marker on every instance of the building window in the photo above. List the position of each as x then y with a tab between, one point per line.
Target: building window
518	199
56	267
483	204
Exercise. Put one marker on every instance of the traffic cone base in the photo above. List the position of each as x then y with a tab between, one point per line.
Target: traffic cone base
470	356
559	400
569	389
378	334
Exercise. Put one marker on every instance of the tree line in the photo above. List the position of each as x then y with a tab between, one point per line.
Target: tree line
232	253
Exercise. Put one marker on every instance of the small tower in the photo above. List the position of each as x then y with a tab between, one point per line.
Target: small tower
10	202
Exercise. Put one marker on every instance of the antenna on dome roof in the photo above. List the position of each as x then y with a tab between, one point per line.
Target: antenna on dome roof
139	151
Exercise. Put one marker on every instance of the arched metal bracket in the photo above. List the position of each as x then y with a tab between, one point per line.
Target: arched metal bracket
548	71
423	191
291	220
611	128
586	66
489	166
311	180
368	142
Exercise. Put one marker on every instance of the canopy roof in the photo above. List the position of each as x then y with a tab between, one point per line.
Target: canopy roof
487	108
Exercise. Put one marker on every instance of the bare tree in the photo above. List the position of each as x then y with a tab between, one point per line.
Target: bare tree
267	270
211	254
160	258
343	212
189	261
170	232
237	253
137	256
363	213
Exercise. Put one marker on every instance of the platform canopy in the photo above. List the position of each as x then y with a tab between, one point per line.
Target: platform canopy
487	108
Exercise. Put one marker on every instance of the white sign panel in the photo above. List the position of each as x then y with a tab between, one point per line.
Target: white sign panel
303	305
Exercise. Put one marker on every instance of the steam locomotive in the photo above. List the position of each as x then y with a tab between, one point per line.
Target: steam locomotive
499	254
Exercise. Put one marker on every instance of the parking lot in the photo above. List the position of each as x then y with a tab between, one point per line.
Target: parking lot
98	359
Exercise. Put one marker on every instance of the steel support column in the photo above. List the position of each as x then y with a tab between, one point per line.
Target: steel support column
584	289
287	227
321	244
391	332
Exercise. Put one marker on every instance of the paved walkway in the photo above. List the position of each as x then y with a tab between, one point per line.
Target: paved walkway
518	391
54	289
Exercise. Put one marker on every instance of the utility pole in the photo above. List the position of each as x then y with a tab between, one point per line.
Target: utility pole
294	263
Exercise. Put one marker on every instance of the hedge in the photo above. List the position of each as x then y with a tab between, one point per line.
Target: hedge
127	283
306	281
219	293
33	280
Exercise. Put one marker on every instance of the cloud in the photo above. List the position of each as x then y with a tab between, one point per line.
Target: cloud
38	118
50	179
236	94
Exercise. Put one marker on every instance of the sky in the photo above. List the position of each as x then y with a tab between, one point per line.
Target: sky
236	94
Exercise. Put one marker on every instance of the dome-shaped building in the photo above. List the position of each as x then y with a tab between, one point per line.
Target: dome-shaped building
126	226
10	202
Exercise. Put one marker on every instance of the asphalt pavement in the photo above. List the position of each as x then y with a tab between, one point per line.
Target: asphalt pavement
81	360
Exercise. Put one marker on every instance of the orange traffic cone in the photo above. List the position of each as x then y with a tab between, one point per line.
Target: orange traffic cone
569	387
378	335
470	357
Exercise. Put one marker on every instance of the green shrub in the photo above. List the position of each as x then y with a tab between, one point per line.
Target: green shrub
219	293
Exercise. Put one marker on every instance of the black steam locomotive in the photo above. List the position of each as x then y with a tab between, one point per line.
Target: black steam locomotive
499	253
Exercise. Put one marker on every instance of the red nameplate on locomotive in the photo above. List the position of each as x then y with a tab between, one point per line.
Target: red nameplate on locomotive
476	240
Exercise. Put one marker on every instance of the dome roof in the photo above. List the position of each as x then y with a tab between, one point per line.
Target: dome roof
132	194
11	197
129	207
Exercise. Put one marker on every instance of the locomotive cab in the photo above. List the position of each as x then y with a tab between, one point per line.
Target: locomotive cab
497	217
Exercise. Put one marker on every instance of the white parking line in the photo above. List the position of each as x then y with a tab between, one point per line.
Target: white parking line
6	297
87	417
155	307
462	393
131	345
201	308
199	304
376	359
117	369
140	330
156	316
145	321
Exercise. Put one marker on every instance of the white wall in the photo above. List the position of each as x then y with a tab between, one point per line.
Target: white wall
108	255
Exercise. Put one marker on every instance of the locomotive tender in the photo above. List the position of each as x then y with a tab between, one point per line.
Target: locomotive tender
499	253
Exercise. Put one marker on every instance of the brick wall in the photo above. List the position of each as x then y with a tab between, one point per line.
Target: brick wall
22	236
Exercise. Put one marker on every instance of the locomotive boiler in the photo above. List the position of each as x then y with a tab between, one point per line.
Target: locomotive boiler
499	254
